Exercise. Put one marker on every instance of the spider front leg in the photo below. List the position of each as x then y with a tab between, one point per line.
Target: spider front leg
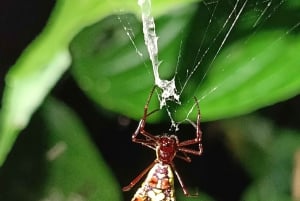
196	140
149	140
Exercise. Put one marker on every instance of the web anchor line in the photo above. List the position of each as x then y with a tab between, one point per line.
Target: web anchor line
168	87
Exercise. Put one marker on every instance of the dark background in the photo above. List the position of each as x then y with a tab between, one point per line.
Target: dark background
218	175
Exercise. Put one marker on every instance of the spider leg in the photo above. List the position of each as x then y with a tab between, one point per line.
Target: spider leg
196	140
145	142
139	177
192	151
149	140
147	104
185	157
184	189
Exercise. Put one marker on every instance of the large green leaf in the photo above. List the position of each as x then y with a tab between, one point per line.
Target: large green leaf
47	58
75	166
251	71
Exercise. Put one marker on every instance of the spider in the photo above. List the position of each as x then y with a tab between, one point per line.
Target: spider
159	183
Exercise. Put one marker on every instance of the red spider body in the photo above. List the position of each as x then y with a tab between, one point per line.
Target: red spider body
159	183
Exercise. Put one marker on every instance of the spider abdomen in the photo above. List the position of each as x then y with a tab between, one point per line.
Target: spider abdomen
158	185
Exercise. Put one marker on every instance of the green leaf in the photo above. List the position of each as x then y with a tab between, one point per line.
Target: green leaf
42	64
251	74
249	138
265	190
75	166
54	159
251	70
275	183
266	153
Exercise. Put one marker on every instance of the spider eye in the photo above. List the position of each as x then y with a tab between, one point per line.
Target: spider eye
167	142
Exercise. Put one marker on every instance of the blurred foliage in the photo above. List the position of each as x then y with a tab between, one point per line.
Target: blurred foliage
266	153
63	163
258	65
73	157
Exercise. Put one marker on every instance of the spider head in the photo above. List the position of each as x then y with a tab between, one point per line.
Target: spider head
166	148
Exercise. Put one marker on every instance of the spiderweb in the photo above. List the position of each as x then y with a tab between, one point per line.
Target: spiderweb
218	31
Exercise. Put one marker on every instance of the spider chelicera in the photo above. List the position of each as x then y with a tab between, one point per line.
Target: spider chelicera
159	183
